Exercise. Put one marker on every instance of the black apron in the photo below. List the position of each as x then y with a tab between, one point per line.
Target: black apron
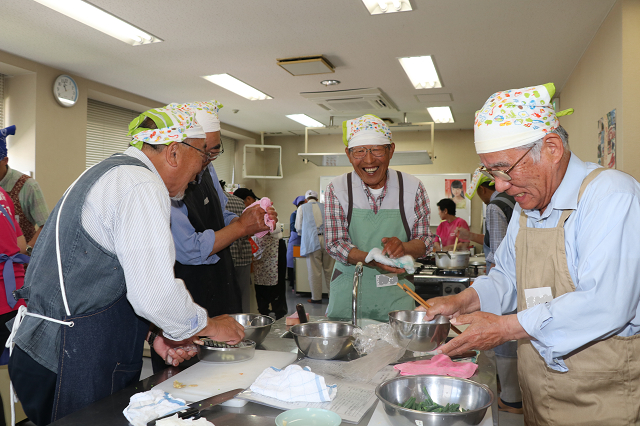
212	286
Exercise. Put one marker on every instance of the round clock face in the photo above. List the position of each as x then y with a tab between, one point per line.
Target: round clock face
65	90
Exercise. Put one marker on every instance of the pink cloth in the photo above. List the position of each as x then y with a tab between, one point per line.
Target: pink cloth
264	203
440	365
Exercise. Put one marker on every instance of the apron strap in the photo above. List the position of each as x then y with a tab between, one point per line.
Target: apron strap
590	177
401	201
8	216
350	197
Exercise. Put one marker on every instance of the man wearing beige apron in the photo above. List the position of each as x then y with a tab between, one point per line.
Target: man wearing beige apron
567	264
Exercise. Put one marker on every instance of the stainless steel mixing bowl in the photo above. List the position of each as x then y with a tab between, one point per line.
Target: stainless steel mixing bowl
443	390
325	339
256	327
414	333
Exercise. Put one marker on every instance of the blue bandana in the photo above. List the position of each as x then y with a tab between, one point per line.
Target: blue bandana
11	130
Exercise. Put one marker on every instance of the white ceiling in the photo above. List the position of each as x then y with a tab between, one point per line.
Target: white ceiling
479	47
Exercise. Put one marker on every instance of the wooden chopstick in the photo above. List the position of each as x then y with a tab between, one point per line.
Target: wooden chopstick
421	301
455	244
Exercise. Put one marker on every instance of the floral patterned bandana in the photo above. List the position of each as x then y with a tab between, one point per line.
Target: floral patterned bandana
514	118
174	125
206	114
365	130
477	179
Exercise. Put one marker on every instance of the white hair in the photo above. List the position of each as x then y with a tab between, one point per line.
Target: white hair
537	145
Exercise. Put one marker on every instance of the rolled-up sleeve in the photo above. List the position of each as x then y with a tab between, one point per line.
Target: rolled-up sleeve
192	248
336	231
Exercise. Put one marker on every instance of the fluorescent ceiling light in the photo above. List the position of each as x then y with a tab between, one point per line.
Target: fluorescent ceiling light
103	21
236	86
305	120
377	7
441	114
421	72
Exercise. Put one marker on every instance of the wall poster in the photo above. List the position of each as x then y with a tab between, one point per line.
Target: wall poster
607	140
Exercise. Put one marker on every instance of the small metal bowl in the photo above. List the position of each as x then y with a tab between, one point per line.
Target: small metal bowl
414	333
443	390
243	351
325	339
256	327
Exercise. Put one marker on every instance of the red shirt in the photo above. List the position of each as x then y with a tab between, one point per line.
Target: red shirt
9	245
447	231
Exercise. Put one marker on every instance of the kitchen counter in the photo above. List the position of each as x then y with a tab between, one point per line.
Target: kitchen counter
108	411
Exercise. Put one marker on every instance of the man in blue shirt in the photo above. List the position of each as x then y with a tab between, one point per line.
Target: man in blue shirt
568	264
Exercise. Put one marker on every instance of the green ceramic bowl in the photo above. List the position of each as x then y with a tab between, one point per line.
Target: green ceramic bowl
308	417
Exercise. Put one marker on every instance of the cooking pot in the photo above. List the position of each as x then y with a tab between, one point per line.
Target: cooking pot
452	259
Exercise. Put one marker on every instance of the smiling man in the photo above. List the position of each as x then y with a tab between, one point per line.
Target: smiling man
373	207
567	263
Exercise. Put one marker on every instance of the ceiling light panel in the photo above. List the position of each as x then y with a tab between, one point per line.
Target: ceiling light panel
305	120
441	114
378	7
101	20
306	65
421	71
236	86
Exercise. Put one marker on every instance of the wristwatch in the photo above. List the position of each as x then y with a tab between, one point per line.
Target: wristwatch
152	337
29	250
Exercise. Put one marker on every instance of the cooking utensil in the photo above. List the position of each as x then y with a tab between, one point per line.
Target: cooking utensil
196	409
302	315
219	352
324	340
443	390
413	332
455	244
256	327
421	301
453	259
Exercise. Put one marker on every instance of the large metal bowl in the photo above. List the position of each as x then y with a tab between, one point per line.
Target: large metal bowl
414	333
256	327
325	339
443	390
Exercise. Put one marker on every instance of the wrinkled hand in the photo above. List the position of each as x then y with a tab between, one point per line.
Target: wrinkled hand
273	214
174	352
252	220
453	306
393	247
222	328
462	233
485	331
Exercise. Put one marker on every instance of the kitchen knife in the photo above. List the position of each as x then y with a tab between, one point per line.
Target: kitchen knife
302	315
197	408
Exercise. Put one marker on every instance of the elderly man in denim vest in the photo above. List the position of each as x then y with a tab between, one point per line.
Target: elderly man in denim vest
103	270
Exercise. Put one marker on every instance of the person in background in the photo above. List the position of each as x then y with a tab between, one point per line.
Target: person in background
500	207
294	240
241	254
31	208
269	266
375	207
111	235
310	225
568	263
446	231
457	194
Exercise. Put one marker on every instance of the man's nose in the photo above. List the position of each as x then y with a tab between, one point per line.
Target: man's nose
502	185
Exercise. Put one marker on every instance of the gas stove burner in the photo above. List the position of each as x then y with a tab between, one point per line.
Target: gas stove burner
454	272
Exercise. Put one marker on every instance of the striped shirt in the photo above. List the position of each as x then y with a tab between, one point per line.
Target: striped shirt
496	223
336	229
241	248
127	212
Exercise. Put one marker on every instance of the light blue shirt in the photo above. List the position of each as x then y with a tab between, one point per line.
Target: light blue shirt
193	248
601	242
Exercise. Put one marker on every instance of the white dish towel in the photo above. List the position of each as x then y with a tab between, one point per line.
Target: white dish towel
405	262
147	406
294	384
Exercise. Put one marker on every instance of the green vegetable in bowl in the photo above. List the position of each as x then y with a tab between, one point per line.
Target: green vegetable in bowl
428	405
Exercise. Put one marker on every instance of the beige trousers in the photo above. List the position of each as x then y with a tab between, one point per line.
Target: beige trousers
318	262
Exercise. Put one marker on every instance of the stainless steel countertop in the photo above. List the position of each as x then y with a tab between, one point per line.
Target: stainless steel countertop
108	411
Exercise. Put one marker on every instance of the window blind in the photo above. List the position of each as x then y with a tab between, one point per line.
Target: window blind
107	127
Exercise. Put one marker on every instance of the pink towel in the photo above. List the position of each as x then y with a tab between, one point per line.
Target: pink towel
264	203
440	365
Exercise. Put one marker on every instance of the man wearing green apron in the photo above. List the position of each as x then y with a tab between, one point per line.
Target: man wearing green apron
373	207
568	263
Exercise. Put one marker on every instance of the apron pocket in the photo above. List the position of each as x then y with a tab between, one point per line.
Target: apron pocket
125	374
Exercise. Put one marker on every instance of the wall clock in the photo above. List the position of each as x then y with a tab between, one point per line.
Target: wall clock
65	90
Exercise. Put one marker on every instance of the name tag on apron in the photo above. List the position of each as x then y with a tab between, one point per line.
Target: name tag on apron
536	296
386	280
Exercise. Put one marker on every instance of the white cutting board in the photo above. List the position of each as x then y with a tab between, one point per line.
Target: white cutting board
215	378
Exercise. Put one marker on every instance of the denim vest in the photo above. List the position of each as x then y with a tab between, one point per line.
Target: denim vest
309	238
93	277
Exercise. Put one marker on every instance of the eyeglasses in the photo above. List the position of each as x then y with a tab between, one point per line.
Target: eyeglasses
502	174
360	152
212	156
205	156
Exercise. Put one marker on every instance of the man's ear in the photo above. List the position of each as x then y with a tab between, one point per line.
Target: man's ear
172	154
553	147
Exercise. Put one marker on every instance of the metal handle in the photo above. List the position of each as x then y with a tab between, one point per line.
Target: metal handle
357	276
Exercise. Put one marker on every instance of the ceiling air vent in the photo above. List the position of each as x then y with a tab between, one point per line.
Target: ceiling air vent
351	101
